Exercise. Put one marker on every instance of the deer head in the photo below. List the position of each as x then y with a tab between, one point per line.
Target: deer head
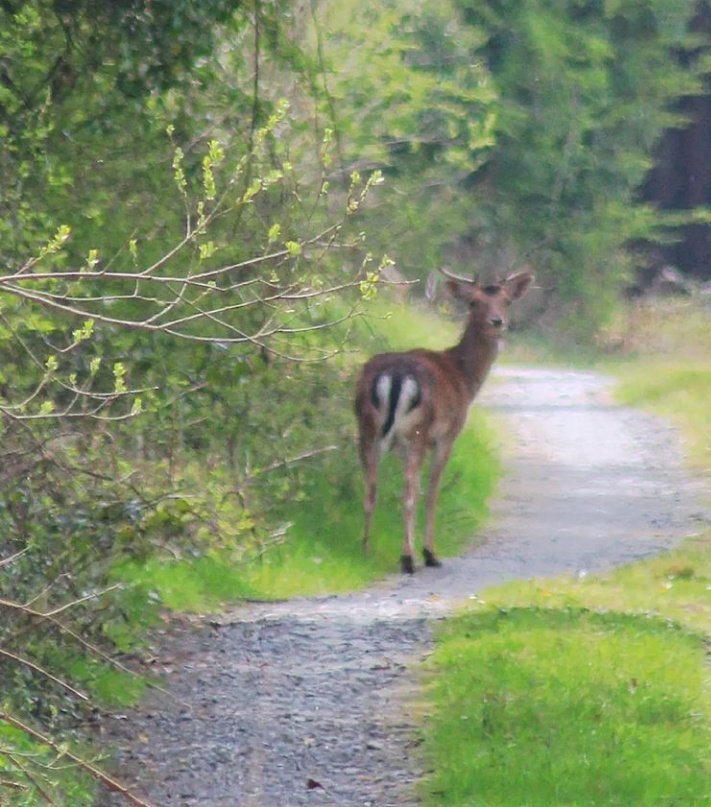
488	304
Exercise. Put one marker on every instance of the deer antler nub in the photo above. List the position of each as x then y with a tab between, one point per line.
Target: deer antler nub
452	276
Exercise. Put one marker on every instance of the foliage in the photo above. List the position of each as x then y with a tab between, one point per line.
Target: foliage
74	74
163	312
406	97
181	251
511	133
309	555
586	90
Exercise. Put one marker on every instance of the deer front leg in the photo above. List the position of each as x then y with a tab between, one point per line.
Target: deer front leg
413	463
439	461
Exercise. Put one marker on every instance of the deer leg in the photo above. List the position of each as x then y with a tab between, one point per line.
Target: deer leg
370	466
413	463
439	460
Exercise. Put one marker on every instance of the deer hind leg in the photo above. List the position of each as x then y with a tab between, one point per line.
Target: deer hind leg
413	463
370	457
439	461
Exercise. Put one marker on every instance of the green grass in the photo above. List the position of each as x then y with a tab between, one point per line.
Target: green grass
680	389
675	585
669	369
322	550
401	326
546	707
63	783
599	688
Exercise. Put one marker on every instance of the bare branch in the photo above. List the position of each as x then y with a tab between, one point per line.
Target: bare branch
12	558
27	663
51	617
31	779
282	463
109	782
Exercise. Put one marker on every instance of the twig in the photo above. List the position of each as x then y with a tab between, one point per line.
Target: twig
282	463
8	783
27	663
109	782
92	596
97	651
12	558
23	769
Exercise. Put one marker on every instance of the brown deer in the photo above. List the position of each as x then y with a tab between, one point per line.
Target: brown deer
418	400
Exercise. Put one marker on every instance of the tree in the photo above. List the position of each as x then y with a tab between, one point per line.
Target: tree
586	90
69	71
680	181
406	95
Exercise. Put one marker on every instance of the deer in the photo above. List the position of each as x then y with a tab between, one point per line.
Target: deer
418	400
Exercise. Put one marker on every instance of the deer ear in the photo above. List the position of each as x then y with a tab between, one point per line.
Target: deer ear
458	290
518	285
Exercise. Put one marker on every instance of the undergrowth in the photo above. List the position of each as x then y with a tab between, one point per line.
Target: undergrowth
288	523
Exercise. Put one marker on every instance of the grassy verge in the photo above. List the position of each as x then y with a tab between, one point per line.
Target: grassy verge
322	551
590	691
568	706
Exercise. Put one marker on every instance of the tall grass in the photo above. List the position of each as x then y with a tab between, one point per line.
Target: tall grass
324	551
667	367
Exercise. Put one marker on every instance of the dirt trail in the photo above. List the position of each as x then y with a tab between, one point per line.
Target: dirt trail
277	695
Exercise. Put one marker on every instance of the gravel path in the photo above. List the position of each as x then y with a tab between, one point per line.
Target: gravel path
311	702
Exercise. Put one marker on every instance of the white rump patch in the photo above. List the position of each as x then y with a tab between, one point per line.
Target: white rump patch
382	391
409	392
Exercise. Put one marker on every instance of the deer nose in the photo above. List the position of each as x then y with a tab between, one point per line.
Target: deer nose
497	322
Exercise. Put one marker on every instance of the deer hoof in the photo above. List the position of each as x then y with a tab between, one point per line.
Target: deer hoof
406	564
431	559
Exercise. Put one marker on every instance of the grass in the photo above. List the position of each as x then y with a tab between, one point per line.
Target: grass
63	781
667	368
678	389
594	690
568	707
324	551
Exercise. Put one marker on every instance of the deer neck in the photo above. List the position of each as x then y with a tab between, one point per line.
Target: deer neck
473	356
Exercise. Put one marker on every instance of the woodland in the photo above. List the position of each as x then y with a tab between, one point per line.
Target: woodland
199	205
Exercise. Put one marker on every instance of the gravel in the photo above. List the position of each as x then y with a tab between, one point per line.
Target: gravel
315	701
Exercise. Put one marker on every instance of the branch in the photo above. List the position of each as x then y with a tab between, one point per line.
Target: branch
50	616
12	558
109	782
35	784
274	466
27	663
